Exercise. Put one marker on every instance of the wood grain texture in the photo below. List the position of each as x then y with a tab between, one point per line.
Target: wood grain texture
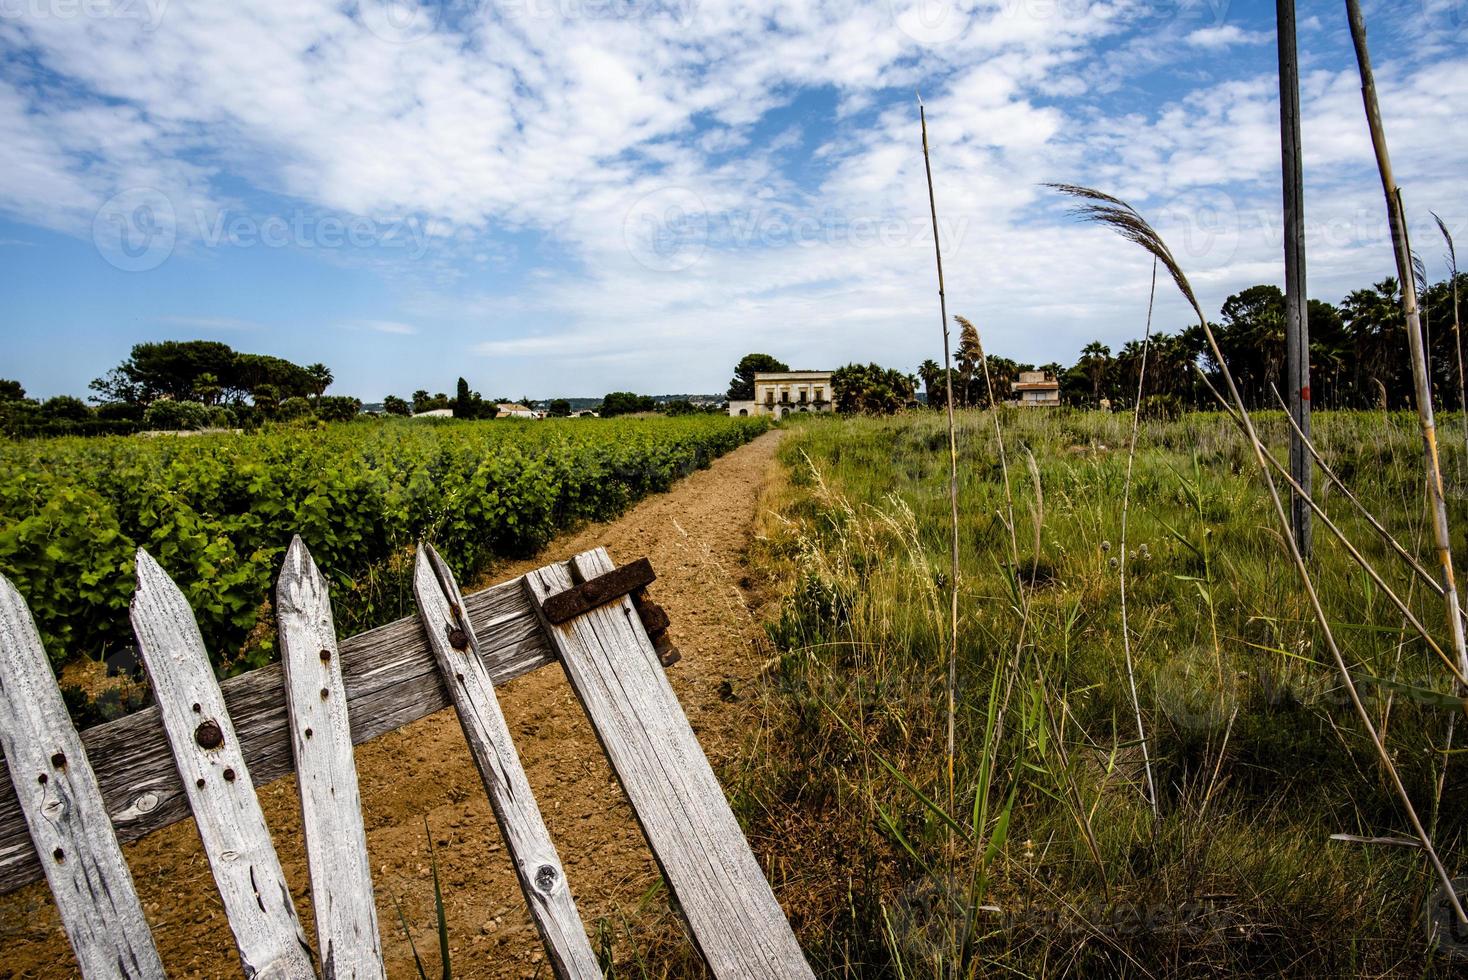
391	680
63	807
736	923
326	774
537	865
212	765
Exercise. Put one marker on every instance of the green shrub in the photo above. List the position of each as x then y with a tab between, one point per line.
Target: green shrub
172	416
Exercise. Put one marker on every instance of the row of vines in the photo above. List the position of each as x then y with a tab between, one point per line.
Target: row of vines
218	511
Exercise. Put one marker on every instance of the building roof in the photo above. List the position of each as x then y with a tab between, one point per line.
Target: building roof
790	375
505	408
1035	381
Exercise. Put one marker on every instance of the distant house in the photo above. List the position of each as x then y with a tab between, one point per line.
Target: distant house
779	393
435	413
1036	389
510	411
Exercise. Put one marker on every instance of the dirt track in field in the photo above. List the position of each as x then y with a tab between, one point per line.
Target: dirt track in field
697	537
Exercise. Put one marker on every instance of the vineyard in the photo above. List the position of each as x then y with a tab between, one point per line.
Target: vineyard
218	510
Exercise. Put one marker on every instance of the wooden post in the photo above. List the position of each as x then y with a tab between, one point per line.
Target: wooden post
326	773
53	779
733	917
537	865
1297	326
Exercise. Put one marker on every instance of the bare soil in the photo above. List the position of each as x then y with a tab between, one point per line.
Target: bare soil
697	537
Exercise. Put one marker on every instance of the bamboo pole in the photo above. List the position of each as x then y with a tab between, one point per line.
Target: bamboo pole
1421	382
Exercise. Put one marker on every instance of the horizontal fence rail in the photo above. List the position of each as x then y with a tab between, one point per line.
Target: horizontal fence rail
391	679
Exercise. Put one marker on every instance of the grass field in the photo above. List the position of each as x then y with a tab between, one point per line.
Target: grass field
1047	858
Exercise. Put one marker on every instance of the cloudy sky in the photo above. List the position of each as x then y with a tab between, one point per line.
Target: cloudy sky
571	196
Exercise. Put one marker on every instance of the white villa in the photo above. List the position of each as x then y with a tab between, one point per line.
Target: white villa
1036	389
779	393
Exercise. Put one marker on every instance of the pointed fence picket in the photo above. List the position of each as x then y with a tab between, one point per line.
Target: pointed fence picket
326	773
197	750
94	891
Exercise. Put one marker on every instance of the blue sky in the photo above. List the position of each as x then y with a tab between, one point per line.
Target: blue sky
572	196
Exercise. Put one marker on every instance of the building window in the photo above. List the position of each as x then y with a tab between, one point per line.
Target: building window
744	411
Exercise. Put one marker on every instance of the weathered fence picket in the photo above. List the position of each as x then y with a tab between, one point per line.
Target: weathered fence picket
207	752
326	773
391	679
614	669
537	865
94	890
187	754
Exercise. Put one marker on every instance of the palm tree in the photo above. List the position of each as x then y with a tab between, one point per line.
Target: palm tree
321	378
1096	358
932	377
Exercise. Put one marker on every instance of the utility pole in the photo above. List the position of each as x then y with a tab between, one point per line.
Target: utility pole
1297	326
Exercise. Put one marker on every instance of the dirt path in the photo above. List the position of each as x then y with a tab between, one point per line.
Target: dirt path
697	536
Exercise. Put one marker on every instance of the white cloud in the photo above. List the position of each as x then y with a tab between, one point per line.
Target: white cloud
1225	36
382	326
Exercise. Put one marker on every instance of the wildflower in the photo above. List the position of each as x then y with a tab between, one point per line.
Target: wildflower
1105	547
1113	562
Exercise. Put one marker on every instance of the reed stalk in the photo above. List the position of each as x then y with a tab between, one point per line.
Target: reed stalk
1421	380
1126	500
1457	333
952	478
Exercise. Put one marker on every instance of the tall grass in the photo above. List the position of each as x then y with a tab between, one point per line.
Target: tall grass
1061	866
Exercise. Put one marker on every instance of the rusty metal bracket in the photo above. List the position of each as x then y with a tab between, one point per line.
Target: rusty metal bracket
565	606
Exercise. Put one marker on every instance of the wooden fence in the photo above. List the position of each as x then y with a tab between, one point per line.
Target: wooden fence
71	799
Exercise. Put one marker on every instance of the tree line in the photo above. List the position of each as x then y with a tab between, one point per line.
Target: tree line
1358	356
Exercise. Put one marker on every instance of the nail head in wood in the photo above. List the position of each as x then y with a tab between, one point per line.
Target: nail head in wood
208	735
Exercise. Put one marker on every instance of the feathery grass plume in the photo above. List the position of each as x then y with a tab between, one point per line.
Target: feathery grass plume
1124	219
1126	500
952	480
1421	378
1457	329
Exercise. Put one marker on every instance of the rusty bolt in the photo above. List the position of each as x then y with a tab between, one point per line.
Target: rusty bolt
458	639
59	760
325	694
229	775
197	709
59	855
199	782
545	877
326	656
308	733
209	735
